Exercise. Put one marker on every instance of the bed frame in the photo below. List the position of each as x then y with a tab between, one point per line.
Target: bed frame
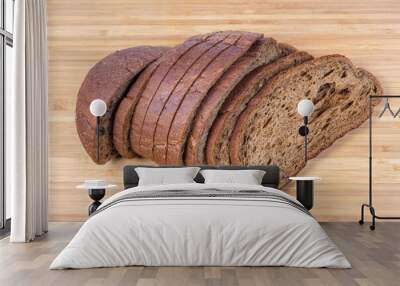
270	179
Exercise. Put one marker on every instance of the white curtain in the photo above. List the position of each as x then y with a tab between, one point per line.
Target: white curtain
26	123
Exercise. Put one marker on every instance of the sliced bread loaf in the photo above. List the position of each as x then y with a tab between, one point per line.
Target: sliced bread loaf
108	80
267	130
217	150
263	52
193	86
174	80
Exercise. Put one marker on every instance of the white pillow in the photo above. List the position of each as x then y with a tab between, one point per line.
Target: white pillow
248	177
164	176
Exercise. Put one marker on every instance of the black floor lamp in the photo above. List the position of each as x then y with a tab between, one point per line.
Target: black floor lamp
305	107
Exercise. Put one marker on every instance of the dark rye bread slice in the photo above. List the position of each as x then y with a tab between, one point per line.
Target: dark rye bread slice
267	130
124	113
262	52
153	84
176	118
108	80
171	81
217	149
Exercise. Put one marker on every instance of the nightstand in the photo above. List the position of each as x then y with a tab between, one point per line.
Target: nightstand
96	191
305	190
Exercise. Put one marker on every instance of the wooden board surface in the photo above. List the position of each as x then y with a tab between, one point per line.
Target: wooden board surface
82	32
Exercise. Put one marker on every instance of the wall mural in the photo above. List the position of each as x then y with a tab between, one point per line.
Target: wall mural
226	97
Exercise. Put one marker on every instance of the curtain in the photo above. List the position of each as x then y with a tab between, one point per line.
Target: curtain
26	123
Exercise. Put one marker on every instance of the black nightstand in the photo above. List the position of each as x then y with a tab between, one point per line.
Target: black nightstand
305	190
96	193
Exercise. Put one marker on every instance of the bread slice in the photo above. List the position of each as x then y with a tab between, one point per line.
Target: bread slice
124	113
267	130
263	51
172	81
176	118
217	149
166	63
108	80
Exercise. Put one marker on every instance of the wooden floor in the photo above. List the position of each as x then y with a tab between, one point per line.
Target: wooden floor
375	257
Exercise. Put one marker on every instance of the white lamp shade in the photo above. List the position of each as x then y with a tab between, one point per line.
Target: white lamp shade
98	107
305	107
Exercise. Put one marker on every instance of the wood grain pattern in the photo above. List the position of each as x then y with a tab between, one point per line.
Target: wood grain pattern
81	33
375	258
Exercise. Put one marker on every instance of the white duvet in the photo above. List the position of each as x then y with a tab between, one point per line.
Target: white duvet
200	231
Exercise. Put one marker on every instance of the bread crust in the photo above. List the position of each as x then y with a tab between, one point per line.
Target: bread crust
108	80
263	51
217	150
340	93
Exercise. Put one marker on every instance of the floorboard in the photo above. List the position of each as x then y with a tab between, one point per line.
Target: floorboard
375	257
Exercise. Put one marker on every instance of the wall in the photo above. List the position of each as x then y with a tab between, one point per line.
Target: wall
82	32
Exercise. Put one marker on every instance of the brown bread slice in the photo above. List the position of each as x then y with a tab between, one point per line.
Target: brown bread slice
179	111
169	84
166	62
263	51
217	150
108	80
124	113
267	130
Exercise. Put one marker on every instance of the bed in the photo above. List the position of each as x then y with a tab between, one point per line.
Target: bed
201	224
